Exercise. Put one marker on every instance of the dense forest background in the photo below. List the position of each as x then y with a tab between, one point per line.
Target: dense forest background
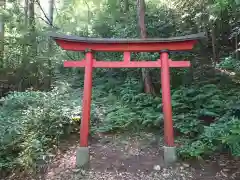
41	100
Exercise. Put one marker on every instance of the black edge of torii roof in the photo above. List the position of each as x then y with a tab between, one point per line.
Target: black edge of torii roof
74	38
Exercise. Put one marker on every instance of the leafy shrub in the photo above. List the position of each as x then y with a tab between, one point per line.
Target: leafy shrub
32	124
218	136
120	117
200	113
22	100
230	63
192	104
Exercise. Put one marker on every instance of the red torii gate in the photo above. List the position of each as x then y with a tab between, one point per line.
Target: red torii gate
163	46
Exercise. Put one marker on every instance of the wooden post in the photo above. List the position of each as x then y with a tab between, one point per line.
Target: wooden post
86	104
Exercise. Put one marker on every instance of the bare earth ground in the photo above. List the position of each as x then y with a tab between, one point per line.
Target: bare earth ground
115	157
118	157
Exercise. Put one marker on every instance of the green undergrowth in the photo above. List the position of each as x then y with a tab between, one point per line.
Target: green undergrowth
230	63
207	115
31	125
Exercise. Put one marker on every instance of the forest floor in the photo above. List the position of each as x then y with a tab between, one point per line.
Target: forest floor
120	157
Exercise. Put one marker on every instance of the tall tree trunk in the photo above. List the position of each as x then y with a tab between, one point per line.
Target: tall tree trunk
2	5
126	6
236	47
24	59
148	86
32	25
24	48
33	51
31	15
50	12
50	44
26	13
214	51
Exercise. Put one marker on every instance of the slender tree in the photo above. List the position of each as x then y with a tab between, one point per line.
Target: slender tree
126	6
148	86
32	26
50	19
26	3
2	5
31	15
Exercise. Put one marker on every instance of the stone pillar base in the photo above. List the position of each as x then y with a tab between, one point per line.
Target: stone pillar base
169	155
82	157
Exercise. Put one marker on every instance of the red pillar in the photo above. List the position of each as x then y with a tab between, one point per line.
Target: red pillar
86	103
166	100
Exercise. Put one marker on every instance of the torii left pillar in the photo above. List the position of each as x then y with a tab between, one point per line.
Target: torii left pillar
82	157
127	46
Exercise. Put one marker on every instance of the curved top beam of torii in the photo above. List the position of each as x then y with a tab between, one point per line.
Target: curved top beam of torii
76	43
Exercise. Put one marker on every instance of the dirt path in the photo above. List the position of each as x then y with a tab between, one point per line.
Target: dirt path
119	158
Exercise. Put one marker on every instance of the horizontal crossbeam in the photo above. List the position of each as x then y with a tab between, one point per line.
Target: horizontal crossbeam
128	64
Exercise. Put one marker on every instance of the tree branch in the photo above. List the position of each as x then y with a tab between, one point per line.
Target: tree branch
45	15
48	22
68	55
44	20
